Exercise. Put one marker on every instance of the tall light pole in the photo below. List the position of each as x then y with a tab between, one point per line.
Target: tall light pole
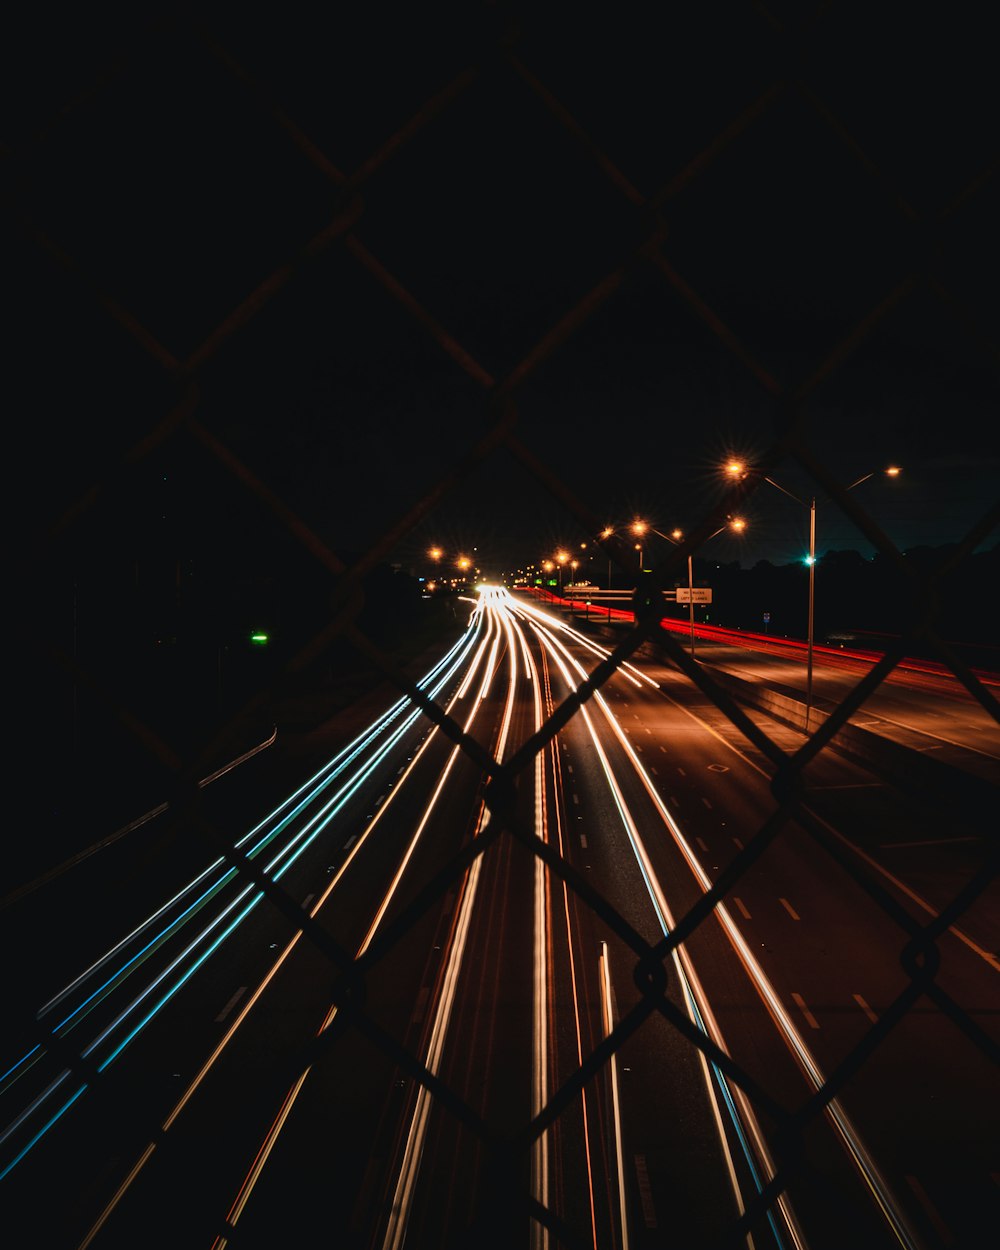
639	529
561	558
675	537
737	469
606	533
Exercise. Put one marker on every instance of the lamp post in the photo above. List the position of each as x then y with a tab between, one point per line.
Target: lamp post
675	537
606	533
737	469
639	529
561	558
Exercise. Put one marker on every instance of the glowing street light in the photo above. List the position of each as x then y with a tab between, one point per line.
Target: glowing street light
737	469
561	558
675	536
639	529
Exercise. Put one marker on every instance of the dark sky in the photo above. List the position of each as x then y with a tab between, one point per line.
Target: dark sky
645	233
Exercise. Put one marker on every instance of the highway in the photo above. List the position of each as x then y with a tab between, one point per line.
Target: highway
629	999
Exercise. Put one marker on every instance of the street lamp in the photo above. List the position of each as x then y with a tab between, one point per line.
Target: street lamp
675	536
561	558
737	469
606	533
639	529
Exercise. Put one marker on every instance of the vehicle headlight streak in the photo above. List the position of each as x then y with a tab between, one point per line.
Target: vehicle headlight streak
685	972
539	1024
438	676
847	1133
289	1100
399	1215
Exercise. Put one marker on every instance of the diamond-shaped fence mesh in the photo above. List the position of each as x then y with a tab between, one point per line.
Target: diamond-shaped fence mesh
205	214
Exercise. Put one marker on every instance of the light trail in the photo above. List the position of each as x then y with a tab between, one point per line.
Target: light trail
540	970
189	960
577	1014
288	1102
609	1024
849	1137
694	998
402	1203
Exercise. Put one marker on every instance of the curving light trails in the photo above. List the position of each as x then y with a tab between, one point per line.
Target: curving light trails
281	1117
682	965
848	1135
406	1184
487	659
194	955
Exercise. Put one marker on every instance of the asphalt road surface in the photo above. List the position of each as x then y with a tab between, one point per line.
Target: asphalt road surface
642	995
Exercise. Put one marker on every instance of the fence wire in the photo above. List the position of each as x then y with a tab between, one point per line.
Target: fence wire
173	392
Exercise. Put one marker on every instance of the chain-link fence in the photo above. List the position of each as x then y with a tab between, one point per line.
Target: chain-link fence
184	199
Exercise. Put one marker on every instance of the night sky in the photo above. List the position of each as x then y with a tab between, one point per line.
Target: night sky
636	235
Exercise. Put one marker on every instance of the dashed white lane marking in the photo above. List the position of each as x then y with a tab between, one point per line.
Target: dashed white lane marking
701	843
789	908
306	901
682	772
866	1009
943	1231
739	844
743	911
707	803
652	769
576	798
583	840
350	841
800	1002
645	1192
569	768
231	1004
